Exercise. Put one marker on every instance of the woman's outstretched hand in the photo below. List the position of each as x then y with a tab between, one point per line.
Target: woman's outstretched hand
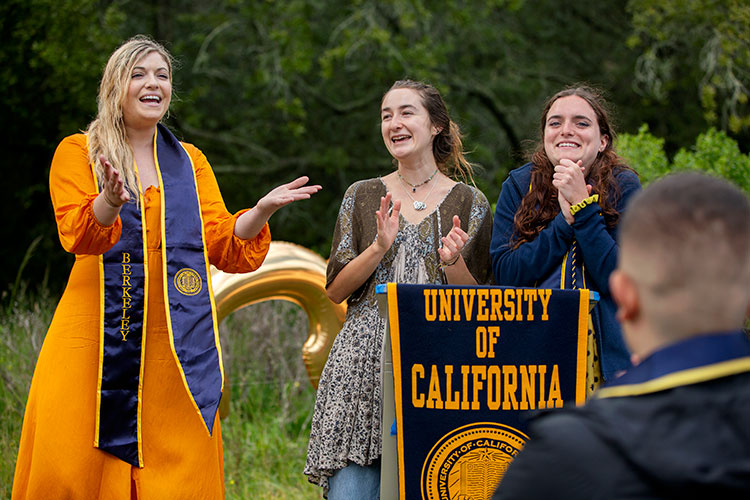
453	243
387	224
250	223
112	196
286	194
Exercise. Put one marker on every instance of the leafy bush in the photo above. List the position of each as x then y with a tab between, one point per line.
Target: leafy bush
714	153
717	154
645	153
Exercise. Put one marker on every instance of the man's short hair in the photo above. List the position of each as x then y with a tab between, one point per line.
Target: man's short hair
687	237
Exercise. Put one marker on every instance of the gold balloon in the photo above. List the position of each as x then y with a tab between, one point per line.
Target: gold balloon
293	273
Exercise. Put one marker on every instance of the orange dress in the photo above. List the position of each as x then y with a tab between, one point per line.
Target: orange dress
56	457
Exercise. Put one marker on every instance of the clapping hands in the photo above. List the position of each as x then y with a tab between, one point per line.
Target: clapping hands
453	243
387	223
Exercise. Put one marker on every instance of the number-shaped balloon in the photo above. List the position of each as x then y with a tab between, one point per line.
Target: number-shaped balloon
293	273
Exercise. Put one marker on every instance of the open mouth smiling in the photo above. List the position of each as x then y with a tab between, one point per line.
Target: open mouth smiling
400	138
155	99
568	145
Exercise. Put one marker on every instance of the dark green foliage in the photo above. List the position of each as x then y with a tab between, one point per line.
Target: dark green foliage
51	57
271	90
695	52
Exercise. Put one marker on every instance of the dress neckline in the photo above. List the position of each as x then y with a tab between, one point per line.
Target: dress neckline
427	215
150	194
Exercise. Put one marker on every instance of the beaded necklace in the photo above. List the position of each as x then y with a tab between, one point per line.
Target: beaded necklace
415	186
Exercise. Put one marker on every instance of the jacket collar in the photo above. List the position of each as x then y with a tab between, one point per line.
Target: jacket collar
691	361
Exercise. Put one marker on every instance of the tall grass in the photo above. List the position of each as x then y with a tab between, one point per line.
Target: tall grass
265	433
22	328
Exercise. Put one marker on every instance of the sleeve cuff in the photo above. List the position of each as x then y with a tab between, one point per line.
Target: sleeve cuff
586	213
560	224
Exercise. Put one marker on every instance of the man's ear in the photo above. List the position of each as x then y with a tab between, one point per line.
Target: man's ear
626	296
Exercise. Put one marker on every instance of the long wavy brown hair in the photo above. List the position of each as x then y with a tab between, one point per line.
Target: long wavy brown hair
539	206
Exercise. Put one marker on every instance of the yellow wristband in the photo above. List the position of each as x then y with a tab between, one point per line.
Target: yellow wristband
574	209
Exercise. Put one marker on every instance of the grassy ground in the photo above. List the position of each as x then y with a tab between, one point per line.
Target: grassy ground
266	431
22	330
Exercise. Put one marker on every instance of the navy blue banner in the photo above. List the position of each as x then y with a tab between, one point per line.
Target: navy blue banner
467	363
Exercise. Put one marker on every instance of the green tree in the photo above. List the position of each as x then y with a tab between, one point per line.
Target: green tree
50	63
699	46
270	90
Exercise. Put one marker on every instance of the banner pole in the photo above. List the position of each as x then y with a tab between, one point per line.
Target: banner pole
389	457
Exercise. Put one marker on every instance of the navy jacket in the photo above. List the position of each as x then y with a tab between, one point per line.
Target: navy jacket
676	426
534	261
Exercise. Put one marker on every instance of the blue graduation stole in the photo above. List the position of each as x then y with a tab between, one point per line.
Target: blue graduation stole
191	315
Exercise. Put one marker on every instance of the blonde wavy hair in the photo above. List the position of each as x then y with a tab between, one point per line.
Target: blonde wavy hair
106	134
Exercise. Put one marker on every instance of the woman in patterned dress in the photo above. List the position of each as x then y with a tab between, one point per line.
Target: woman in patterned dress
414	225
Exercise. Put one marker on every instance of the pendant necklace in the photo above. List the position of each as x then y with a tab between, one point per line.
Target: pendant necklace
419	205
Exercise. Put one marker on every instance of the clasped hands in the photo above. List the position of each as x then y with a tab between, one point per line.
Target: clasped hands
569	179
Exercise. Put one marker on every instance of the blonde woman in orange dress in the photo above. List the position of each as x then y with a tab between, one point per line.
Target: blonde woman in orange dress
123	403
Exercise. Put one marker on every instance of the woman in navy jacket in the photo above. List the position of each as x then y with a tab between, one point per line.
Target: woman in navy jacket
556	218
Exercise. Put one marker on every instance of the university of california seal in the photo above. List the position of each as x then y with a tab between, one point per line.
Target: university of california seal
468	462
188	281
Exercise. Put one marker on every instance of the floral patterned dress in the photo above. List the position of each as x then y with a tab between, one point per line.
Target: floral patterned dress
346	425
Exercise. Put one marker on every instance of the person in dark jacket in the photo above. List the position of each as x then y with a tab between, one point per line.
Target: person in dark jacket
556	219
676	425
